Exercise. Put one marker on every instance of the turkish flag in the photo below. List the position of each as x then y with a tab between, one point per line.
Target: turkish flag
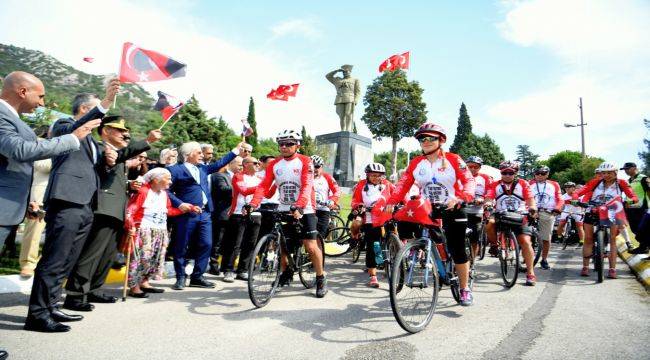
398	61
141	65
379	216
89	59
275	95
289	90
417	211
167	105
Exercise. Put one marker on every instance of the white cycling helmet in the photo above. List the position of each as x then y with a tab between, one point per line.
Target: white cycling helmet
317	160
285	135
606	166
375	167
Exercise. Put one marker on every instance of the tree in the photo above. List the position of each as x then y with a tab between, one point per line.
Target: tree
484	147
394	109
571	166
563	161
307	147
527	161
463	131
645	155
251	121
266	146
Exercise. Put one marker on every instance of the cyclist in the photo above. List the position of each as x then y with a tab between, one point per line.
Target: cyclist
602	188
475	210
577	213
327	194
366	193
442	178
512	194
293	175
548	197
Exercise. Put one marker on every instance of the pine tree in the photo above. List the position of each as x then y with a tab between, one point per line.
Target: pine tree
251	121
645	155
307	147
527	161
463	131
394	109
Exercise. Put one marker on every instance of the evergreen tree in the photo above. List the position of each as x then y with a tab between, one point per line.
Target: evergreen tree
527	161
307	147
463	131
394	109
645	155
251	121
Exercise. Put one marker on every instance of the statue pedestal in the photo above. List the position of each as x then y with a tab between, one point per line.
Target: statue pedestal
346	155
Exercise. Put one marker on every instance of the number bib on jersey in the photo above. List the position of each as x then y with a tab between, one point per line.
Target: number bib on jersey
436	183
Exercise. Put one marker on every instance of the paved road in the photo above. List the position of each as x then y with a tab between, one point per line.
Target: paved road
565	316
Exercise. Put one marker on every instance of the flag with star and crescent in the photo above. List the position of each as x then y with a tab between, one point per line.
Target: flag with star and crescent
142	65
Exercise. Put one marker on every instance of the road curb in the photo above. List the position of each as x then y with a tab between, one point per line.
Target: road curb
639	267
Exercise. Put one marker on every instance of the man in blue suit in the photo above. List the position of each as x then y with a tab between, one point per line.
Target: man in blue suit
190	189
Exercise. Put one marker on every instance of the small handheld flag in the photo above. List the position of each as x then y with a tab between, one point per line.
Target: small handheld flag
168	106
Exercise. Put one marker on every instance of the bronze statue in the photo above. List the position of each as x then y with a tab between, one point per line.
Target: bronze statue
348	92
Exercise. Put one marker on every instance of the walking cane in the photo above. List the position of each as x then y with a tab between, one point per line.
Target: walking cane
128	264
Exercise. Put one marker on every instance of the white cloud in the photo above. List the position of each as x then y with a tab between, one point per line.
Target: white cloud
297	27
604	57
221	74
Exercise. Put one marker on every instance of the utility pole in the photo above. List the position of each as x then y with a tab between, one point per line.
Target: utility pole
582	128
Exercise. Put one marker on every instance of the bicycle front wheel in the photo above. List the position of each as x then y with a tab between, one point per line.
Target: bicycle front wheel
537	247
509	258
264	270
393	246
414	286
483	243
601	236
306	270
337	242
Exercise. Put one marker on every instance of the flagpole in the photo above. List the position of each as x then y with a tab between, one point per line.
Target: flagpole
119	72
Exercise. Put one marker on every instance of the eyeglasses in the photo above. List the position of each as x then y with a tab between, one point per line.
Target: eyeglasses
253	162
246	150
317	167
507	173
428	139
541	173
287	144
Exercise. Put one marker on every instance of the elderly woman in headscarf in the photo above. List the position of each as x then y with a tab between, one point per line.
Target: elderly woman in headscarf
146	222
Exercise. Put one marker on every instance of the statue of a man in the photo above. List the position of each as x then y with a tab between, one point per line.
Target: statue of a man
348	92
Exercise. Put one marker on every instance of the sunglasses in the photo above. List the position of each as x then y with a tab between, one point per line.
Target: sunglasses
507	173
317	167
428	139
287	144
245	150
541	173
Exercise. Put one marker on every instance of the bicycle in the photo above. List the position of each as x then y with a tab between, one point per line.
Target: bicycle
345	243
508	245
570	234
338	233
420	267
602	231
264	268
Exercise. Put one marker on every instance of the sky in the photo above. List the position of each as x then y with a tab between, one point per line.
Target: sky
519	66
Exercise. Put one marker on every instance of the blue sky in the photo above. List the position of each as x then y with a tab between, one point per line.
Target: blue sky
519	66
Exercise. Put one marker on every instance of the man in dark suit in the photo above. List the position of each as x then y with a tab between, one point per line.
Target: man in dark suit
190	188
94	263
70	198
19	147
221	189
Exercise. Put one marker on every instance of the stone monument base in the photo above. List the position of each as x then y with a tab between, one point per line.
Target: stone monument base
346	155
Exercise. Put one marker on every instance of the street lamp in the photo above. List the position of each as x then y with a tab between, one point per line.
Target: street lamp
582	128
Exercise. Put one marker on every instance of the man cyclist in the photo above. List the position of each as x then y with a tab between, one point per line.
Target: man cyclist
327	194
293	176
575	212
548	197
512	194
475	210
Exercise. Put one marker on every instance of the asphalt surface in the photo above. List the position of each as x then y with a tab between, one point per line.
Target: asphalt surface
564	316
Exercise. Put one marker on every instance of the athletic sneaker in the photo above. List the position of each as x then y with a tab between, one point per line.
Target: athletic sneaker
612	274
286	277
531	280
466	297
544	264
321	286
584	272
373	282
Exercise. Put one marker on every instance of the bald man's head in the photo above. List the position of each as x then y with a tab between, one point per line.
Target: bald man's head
24	91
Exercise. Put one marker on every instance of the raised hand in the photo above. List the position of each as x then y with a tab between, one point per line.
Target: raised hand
83	131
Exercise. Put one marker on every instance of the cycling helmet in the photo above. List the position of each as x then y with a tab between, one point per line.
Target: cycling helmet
474	159
285	135
606	166
428	129
542	168
375	167
317	160
569	184
509	165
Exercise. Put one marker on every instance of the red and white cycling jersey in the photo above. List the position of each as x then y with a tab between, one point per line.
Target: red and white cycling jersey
483	182
325	189
548	195
595	190
274	198
243	188
437	183
367	194
294	178
510	197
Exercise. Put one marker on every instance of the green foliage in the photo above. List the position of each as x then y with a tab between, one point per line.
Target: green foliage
307	147
645	155
463	131
402	159
394	108
571	166
563	161
468	144
266	147
251	121
527	161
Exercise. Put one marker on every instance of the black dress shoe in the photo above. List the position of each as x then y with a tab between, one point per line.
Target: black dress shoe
202	283
180	284
3	354
60	316
140	295
103	299
44	325
152	290
77	305
214	271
